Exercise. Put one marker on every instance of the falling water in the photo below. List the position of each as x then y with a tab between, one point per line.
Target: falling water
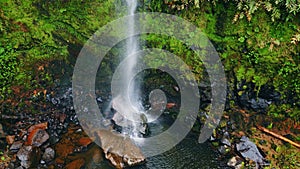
132	47
129	102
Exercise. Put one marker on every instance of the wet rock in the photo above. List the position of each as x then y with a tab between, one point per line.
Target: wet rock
235	162
84	141
120	150
38	126
249	151
16	146
225	141
224	149
232	162
48	154
259	104
125	125
37	137
10	139
76	164
29	156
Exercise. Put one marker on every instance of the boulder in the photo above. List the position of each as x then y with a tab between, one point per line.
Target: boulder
249	151
119	149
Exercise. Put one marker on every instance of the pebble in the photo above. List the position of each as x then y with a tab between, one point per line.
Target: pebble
16	146
10	139
48	154
225	141
37	137
29	156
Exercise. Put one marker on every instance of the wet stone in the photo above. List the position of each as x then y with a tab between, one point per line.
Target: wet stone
10	139
121	152
232	162
16	146
48	154
24	153
225	141
222	150
29	156
38	126
37	137
235	162
84	141
259	104
250	151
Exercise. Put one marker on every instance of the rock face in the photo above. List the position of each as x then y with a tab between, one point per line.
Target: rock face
120	150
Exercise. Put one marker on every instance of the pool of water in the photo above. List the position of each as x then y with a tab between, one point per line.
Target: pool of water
188	154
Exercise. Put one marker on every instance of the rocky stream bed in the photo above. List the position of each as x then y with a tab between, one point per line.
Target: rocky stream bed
53	138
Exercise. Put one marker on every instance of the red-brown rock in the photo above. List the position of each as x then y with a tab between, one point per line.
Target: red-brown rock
170	105
84	141
38	126
37	137
10	139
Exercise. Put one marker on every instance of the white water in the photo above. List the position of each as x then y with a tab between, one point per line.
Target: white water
128	101
132	47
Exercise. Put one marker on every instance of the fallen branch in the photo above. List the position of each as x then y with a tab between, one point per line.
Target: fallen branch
278	136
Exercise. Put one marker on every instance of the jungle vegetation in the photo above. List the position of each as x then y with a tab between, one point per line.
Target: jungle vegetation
258	41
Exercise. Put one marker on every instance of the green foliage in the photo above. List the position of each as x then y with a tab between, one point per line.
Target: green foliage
33	32
177	48
283	111
254	44
279	9
288	157
8	66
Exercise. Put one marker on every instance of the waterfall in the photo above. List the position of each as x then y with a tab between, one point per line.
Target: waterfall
127	102
132	47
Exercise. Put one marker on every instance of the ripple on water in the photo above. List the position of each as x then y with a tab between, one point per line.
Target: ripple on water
187	154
